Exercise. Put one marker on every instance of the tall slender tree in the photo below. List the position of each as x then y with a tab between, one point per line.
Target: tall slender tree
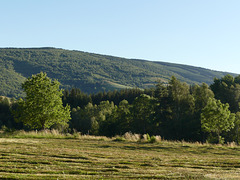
182	107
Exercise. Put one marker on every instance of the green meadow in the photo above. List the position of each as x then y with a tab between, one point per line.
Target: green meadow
39	156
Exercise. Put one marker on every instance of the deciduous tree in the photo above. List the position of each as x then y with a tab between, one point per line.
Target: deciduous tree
216	118
43	105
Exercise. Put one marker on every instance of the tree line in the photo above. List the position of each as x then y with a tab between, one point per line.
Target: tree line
175	111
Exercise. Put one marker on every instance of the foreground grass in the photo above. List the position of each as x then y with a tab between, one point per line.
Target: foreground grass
101	158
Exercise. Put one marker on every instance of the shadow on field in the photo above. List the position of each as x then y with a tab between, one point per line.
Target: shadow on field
149	148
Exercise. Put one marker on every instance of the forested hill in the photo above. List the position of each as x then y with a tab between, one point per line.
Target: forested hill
90	72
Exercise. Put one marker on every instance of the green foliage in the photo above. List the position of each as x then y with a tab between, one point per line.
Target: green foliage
118	138
176	110
216	117
76	98
201	95
237	127
213	139
43	106
6	118
148	137
81	120
171	110
227	89
92	118
153	139
142	112
90	72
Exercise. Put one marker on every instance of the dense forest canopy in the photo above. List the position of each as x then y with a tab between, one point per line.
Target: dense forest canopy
90	72
175	111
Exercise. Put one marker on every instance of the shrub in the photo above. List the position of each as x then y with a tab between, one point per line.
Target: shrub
151	139
215	140
146	137
119	138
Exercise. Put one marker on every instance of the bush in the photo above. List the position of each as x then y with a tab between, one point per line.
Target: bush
146	137
214	140
152	139
118	138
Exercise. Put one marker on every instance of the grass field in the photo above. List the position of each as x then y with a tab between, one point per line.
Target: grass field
101	158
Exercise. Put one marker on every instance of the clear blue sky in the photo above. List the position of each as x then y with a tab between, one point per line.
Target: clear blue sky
203	33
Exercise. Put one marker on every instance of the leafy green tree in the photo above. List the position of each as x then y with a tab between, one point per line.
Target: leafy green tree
6	118
42	107
182	108
81	120
201	94
237	127
85	120
217	118
118	122
104	111
142	114
163	111
227	90
123	118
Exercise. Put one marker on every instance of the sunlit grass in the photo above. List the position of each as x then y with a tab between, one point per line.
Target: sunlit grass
37	134
48	134
91	157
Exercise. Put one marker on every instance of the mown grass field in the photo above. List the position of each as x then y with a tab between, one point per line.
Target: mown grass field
102	158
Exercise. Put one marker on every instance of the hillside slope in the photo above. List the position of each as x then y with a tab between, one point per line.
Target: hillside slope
90	72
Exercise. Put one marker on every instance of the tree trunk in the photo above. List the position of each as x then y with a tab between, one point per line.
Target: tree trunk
43	124
236	135
219	137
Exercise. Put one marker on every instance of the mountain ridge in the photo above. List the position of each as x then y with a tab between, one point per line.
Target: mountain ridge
91	72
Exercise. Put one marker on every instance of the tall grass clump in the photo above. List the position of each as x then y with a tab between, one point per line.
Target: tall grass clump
151	139
48	134
128	136
119	138
132	137
232	144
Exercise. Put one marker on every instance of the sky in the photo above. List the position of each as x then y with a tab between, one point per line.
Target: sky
203	33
